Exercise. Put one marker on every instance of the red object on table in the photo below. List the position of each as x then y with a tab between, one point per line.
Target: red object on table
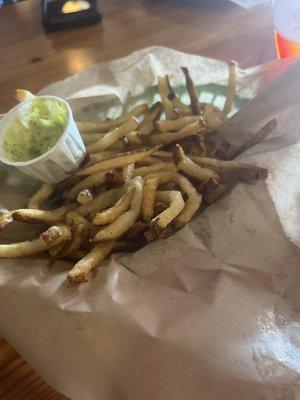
286	48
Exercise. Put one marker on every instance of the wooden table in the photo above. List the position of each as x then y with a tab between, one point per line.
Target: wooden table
31	59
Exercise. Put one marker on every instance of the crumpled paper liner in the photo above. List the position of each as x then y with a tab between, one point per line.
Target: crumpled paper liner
209	313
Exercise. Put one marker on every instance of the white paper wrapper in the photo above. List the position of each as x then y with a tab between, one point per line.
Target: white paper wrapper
209	313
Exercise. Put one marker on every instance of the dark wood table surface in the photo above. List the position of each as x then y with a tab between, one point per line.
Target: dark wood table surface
31	59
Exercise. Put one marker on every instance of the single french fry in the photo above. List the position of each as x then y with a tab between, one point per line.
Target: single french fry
73	218
103	155
114	212
90	138
174	198
228	168
119	160
149	191
79	273
163	154
192	92
175	100
153	114
192	169
86	127
149	169
148	161
193	201
53	236
80	235
212	116
42	216
100	202
171	137
5	219
163	89
177	124
231	88
133	138
40	196
24	95
128	173
113	136
87	183
85	196
116	229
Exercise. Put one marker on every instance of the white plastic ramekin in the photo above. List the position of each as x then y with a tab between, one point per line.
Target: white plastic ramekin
57	163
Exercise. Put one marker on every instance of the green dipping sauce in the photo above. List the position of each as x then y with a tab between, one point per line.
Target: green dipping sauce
37	131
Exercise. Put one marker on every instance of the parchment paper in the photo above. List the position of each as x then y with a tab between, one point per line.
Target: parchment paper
211	313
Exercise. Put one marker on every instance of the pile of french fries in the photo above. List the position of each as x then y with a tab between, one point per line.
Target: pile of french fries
144	178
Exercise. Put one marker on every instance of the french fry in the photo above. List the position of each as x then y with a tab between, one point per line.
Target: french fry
103	155
85	196
148	161
100	202
79	273
133	138
228	168
40	196
87	127
149	169
177	124
116	229
5	219
114	212
163	89
192	92
171	137
80	235
149	191
42	216
174	198
192	169
23	95
128	173
53	236
193	201
230	88
175	100
73	218
87	183
90	138
113	136
153	114
212	116
119	160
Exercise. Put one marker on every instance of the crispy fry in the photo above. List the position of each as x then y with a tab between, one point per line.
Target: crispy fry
87	183
5	219
79	273
40	196
103	155
192	92
194	199
42	216
228	168
86	127
23	95
149	198
175	100
125	221
148	161
230	88
100	202
212	116
128	173
120	160
114	212
177	124
113	136
170	137
192	169
160	166
85	196
73	218
153	114
90	138
174	198
80	235
53	236
163	89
